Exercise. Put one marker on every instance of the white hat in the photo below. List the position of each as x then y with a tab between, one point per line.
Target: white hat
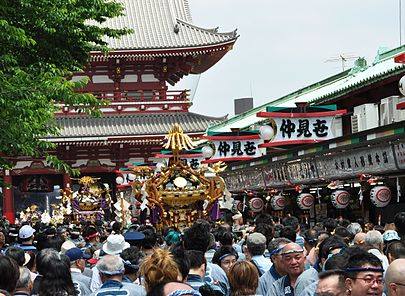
67	245
115	244
26	231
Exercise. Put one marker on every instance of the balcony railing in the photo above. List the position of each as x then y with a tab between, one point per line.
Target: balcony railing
144	96
139	101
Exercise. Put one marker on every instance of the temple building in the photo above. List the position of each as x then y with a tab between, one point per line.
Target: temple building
164	46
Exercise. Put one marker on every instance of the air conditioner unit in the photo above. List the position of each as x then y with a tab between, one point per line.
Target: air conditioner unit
365	117
389	112
355	124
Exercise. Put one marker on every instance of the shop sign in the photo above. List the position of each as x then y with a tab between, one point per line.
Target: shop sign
232	147
399	151
253	179
301	128
299	171
371	160
242	180
233	181
297	129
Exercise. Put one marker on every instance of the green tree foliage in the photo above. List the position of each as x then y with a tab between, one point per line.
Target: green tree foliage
42	42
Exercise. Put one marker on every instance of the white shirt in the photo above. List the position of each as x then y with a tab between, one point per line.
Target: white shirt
382	257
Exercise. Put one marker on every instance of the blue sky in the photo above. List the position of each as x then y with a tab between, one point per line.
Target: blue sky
283	45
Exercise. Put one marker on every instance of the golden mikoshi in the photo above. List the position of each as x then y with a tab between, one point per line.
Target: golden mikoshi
181	193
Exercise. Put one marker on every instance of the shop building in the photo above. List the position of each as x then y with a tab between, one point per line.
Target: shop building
367	150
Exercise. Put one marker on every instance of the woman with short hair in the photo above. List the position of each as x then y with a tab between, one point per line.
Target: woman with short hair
243	278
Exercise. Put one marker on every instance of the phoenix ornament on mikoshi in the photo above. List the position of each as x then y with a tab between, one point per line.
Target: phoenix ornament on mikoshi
179	193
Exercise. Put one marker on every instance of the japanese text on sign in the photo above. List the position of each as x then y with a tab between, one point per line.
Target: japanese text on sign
296	129
237	149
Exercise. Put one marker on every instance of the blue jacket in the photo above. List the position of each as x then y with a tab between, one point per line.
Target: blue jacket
116	288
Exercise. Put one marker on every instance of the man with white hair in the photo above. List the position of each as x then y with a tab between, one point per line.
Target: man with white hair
354	228
374	241
24	283
394	278
111	269
359	239
255	248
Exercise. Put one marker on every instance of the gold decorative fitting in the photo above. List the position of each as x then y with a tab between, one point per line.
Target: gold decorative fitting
181	193
177	140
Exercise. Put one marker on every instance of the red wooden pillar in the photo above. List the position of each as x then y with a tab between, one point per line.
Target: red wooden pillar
66	181
8	201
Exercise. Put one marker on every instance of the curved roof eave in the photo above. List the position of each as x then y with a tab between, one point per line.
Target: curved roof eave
168	50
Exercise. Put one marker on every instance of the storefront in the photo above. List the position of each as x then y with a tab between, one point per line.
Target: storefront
358	165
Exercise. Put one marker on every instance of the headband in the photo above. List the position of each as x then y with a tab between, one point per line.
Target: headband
228	254
276	251
185	292
292	252
360	269
115	272
92	235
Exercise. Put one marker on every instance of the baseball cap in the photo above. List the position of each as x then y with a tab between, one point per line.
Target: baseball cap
390	235
26	231
76	254
132	236
66	246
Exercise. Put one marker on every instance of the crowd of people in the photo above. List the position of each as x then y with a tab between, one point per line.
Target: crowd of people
266	256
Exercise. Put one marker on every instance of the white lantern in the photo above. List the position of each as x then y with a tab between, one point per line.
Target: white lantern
207	151
305	201
340	199
380	196
266	132
256	204
401	85
119	180
278	202
131	177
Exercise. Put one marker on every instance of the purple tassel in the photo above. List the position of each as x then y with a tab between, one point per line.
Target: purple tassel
215	211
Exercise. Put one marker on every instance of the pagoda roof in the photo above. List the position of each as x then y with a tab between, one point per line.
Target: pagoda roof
327	90
82	128
161	25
